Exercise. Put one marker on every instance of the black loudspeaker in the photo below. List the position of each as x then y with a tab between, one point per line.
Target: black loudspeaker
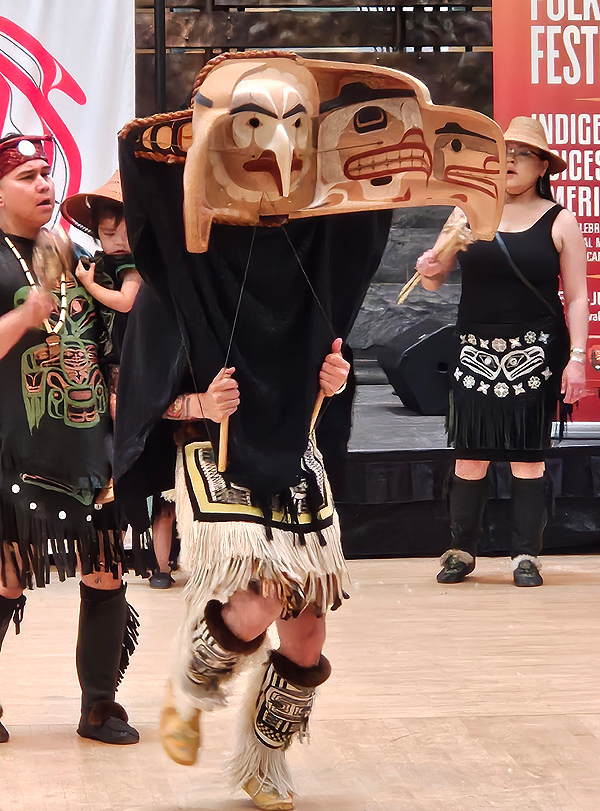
418	366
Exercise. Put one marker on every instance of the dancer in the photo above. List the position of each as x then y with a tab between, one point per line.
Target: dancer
53	399
515	361
244	322
262	541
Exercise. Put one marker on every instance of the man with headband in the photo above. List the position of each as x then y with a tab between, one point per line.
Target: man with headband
54	432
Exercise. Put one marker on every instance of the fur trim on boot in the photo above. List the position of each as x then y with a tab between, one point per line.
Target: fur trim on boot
101	711
465	557
275	711
213	615
209	655
106	721
514	563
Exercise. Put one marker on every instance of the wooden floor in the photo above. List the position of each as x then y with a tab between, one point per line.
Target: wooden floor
476	697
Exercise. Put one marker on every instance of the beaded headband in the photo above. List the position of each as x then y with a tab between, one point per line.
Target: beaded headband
17	149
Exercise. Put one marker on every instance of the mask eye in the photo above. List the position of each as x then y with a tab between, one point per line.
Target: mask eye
456	145
297	123
368	119
254	123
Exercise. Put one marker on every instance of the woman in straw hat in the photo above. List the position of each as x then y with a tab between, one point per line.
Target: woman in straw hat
517	355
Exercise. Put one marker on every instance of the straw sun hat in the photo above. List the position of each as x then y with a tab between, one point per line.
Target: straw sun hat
77	209
529	131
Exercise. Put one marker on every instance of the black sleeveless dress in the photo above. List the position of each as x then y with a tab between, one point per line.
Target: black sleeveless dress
513	347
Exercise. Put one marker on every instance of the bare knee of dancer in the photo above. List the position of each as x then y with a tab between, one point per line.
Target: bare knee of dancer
471	469
527	470
103	581
302	639
10	587
247	614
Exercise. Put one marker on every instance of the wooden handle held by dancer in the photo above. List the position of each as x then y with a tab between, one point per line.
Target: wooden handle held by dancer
408	287
318	404
223	441
455	236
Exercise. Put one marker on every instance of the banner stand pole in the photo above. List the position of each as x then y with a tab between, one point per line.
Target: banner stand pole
160	57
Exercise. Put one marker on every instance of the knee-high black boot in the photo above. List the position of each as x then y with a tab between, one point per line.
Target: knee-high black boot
107	633
467	499
530	514
9	609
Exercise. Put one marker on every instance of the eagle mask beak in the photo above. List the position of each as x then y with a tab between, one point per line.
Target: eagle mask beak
283	150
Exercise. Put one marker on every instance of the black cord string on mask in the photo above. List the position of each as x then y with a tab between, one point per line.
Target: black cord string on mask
309	283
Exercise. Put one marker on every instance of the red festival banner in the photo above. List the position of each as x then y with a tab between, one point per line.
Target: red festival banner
547	65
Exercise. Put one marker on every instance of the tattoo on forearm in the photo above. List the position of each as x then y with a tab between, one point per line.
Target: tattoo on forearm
180	408
174	411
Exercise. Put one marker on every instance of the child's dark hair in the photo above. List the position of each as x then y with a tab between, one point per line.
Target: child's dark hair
102	208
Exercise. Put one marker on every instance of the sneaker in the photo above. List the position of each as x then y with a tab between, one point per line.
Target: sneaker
455	570
161	580
527	574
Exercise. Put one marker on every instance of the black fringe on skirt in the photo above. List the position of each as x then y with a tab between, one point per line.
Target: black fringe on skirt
520	426
28	538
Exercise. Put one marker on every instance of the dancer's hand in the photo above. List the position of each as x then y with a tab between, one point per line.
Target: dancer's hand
573	382
222	397
428	265
334	371
36	308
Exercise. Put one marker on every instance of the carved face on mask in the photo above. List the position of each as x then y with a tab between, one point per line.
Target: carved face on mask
272	137
384	147
253	152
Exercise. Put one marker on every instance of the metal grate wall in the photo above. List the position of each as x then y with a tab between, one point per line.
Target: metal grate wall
446	45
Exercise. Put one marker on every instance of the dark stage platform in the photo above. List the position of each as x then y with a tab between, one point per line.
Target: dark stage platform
393	503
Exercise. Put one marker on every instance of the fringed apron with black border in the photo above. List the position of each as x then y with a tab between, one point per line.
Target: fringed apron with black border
232	541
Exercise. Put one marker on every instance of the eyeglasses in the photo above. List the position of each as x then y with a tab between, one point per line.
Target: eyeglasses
521	153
